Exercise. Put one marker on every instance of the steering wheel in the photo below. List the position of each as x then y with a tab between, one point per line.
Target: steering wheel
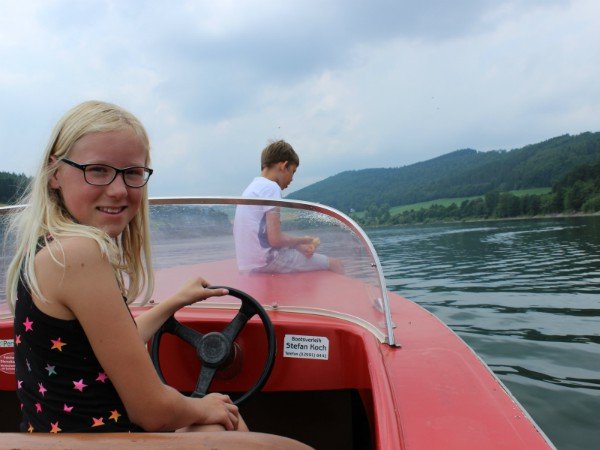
214	349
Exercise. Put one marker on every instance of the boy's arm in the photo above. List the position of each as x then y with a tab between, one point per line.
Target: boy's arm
278	238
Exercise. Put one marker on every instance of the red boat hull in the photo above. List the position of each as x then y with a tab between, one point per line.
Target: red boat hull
432	392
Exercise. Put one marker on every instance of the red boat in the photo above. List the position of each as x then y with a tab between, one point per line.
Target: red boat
331	360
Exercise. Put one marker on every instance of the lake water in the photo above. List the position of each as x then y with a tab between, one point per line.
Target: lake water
525	295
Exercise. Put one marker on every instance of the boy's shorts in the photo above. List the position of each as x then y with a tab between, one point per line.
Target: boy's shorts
285	260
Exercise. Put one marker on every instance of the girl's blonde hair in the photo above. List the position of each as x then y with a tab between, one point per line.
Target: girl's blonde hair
45	216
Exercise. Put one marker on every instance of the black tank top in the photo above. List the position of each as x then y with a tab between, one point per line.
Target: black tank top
60	383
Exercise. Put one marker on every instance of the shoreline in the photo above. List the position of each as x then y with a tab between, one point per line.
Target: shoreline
490	219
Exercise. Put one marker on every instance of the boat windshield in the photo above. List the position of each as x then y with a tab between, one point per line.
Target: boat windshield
197	237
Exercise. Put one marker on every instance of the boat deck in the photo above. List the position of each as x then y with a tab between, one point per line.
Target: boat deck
432	392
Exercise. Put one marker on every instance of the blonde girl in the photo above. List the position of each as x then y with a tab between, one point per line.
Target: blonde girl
82	255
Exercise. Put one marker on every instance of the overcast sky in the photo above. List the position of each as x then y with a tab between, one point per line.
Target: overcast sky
350	84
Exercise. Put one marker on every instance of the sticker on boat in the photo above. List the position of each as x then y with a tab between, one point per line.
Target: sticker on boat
7	343
7	363
308	347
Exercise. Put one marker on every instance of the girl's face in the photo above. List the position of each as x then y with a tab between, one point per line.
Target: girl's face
111	207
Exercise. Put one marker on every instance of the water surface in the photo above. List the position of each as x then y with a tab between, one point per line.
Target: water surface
525	295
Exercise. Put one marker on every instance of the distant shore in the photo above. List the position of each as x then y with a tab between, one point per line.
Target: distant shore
488	219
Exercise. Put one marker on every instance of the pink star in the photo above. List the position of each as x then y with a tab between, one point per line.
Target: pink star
38	407
67	408
55	428
28	324
79	385
18	339
19	384
42	390
98	422
102	377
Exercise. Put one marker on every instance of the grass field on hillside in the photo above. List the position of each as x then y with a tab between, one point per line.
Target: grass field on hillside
426	205
445	202
533	191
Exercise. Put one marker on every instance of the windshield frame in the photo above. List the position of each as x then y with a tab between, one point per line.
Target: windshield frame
302	205
293	204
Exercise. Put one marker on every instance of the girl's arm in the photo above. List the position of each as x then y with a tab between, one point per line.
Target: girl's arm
86	287
192	291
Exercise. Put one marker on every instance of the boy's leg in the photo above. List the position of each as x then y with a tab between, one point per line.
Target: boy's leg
336	265
286	260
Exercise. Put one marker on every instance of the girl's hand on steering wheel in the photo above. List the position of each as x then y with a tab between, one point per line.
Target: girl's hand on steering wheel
195	290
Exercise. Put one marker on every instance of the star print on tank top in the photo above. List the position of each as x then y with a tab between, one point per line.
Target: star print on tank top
61	385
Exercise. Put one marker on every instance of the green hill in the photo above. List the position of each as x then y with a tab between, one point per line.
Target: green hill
462	173
11	186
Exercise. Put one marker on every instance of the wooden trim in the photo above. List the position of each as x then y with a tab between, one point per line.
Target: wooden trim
159	441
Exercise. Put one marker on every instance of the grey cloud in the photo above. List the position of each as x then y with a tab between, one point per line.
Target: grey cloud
223	73
351	81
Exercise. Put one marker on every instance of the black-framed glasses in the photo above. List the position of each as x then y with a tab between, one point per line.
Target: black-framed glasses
103	174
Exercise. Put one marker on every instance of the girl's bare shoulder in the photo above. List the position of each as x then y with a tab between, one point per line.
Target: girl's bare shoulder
69	252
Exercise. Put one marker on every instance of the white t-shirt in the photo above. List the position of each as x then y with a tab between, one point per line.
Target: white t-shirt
249	226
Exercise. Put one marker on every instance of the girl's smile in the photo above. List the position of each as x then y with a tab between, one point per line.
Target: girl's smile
112	210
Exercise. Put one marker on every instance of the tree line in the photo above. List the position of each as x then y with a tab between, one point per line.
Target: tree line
577	192
12	186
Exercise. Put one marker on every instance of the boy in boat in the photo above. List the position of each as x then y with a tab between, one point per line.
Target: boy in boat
260	244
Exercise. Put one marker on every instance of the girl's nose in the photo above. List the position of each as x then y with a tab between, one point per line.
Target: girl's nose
117	188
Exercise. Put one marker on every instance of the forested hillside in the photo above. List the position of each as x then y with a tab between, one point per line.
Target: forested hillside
11	186
577	192
461	173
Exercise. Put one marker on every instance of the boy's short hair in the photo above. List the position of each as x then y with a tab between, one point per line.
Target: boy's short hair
278	151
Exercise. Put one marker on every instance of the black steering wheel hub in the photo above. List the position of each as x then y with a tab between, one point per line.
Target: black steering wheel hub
214	349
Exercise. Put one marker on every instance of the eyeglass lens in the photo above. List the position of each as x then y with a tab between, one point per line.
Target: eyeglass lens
100	175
